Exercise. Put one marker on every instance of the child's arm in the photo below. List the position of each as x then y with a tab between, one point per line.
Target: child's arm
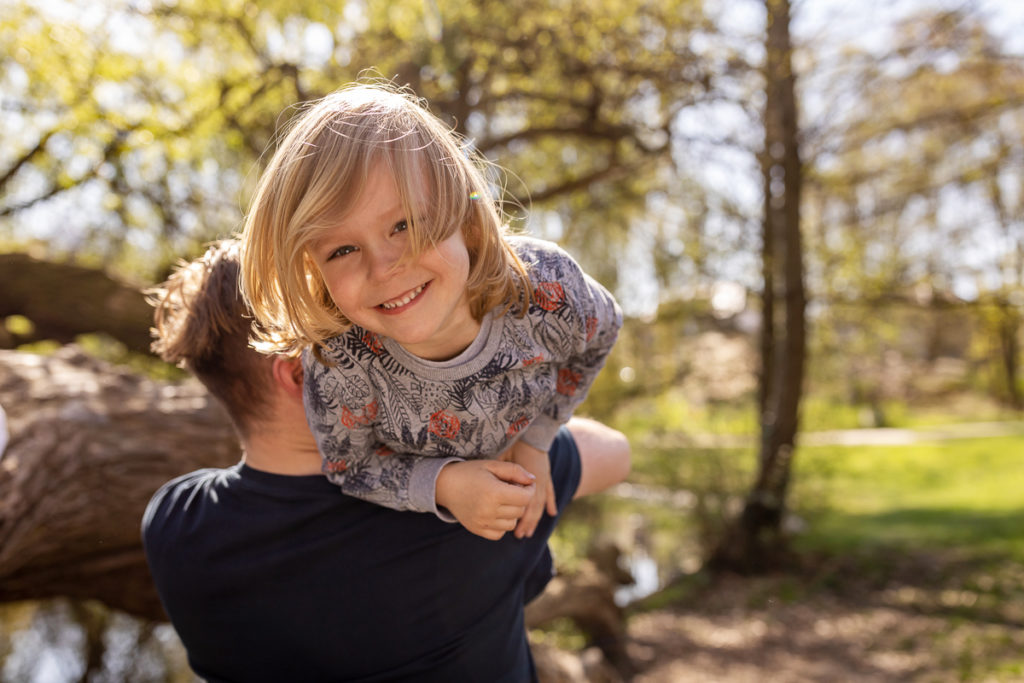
581	322
342	412
488	497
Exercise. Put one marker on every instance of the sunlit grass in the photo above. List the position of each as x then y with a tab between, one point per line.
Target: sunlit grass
963	494
957	507
819	413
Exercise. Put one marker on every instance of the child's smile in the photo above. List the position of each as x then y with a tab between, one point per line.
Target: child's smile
421	303
399	304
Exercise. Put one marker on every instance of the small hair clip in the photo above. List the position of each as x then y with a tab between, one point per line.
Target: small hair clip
474	195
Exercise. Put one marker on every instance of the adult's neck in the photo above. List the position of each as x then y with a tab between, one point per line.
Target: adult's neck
282	449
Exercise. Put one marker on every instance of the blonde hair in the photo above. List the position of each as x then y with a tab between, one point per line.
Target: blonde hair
319	170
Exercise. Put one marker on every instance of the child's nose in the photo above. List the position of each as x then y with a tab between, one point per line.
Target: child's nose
386	259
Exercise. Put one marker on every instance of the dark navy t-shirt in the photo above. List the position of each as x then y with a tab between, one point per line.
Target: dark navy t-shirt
269	577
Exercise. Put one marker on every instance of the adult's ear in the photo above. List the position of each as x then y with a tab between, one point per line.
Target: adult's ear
288	375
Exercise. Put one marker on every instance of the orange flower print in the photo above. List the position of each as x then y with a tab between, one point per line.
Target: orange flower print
373	342
517	426
549	295
383	451
591	328
364	416
335	466
444	425
568	381
531	361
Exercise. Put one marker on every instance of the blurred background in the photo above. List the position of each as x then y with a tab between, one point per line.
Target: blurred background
811	211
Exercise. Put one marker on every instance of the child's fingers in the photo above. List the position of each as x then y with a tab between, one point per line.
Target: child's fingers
552	505
489	534
510	512
510	473
516	496
502	525
495	527
528	524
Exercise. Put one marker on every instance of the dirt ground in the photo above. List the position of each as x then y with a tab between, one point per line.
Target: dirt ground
925	619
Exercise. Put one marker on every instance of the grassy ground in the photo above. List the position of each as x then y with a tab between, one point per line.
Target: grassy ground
911	569
956	494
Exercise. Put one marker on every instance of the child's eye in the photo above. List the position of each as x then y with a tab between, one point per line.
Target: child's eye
400	226
341	251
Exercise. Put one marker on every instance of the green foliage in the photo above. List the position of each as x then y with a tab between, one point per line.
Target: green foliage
561	633
110	350
164	109
826	412
18	325
107	349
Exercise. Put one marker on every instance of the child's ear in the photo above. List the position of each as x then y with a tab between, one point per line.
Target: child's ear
288	375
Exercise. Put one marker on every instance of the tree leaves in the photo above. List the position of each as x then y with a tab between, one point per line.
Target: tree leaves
174	120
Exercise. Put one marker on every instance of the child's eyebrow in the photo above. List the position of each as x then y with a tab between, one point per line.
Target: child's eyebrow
322	228
398	210
319	235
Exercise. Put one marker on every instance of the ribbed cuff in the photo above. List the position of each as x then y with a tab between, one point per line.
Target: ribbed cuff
423	485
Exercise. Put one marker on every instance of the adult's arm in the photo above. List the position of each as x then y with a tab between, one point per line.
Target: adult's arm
604	455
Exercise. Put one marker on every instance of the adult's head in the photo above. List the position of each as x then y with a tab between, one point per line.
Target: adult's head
201	324
319	172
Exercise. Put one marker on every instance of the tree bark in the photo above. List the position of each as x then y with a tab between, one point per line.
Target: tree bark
587	597
755	540
89	444
64	300
1008	316
1008	324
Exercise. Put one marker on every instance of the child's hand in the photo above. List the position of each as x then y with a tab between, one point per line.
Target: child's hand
536	463
488	497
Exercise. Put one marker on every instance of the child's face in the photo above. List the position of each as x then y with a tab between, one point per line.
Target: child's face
421	303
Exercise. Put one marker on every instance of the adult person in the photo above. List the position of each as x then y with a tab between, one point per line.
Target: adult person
268	573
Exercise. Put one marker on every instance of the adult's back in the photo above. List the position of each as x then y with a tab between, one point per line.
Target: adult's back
269	577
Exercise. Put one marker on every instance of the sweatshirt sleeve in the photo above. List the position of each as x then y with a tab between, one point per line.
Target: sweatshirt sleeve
580	323
342	411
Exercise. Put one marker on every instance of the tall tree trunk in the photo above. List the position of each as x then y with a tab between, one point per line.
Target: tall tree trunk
1008	317
1008	325
755	540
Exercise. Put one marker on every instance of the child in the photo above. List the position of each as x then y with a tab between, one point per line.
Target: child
430	337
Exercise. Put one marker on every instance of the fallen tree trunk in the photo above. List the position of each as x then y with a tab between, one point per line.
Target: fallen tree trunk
587	597
89	301
89	444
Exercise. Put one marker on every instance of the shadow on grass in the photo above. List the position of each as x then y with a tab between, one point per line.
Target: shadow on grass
919	529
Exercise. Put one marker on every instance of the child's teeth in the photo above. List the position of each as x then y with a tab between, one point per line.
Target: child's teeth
404	300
